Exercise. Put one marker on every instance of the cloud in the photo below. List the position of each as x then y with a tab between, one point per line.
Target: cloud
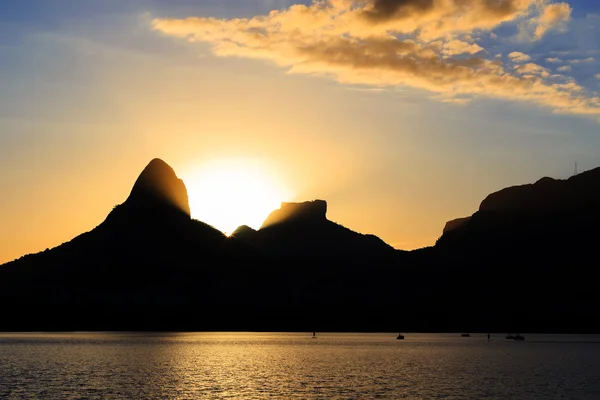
597	76
455	47
564	68
552	16
581	61
436	18
455	100
532	69
518	57
426	44
553	60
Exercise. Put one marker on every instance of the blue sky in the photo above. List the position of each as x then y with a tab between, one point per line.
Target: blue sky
90	91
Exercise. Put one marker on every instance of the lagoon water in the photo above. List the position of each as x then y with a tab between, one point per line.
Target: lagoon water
295	366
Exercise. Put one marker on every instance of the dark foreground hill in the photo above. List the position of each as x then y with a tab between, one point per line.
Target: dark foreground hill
523	262
532	249
150	266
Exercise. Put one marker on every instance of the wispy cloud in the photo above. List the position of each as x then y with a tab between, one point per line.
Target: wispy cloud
564	68
428	44
581	61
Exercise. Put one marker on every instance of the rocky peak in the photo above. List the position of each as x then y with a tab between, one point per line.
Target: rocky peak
315	210
456	224
158	185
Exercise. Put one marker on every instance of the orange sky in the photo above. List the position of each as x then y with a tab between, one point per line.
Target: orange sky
86	103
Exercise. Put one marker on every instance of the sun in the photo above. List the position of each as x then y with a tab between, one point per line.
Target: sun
228	193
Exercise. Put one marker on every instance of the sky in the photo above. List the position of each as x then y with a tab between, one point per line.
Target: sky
402	114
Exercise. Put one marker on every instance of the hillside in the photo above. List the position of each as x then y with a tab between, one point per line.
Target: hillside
525	261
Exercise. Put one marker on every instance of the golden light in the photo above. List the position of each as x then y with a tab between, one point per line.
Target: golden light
227	193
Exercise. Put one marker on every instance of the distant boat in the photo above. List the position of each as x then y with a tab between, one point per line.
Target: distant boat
465	334
400	337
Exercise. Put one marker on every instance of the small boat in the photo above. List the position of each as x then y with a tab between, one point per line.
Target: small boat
465	335
400	337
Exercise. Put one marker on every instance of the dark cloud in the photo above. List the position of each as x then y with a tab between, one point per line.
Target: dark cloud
384	10
388	9
497	8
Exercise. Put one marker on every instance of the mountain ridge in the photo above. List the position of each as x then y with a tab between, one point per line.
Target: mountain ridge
149	266
301	231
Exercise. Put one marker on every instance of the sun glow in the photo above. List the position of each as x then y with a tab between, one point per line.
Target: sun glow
230	193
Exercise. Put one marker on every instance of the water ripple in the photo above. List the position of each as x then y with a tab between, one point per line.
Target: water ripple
291	366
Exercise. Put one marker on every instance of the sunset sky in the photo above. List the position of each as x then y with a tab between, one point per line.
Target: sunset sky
402	114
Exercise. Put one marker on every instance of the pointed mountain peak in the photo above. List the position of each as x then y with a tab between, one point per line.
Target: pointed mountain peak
157	186
308	211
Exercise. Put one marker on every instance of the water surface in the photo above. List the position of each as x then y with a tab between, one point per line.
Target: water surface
295	366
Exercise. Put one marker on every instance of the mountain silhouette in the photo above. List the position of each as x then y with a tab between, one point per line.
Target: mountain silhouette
532	217
530	247
302	232
158	189
147	252
522	262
